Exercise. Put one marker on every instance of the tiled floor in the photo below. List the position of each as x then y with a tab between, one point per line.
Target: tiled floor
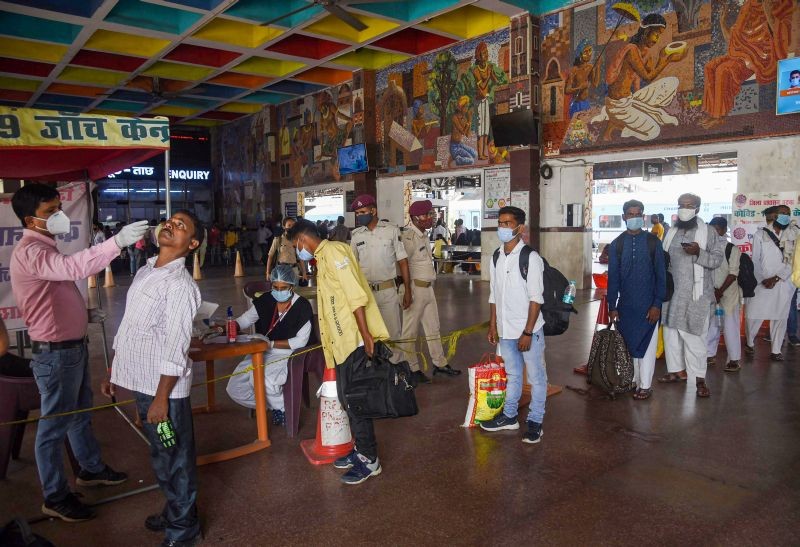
670	470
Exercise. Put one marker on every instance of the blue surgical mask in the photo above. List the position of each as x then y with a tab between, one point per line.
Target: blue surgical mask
783	220
363	220
635	223
303	254
505	234
281	296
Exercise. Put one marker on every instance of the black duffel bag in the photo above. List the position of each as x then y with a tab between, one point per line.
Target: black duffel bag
376	387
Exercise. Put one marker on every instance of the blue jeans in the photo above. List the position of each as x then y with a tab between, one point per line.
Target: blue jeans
533	361
791	324
175	468
62	377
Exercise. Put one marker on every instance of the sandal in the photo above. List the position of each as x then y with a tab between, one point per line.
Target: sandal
642	394
733	366
672	378
702	390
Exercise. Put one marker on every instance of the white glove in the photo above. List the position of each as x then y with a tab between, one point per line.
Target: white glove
131	233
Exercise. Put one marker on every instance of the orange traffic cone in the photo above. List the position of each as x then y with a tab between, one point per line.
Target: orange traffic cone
109	278
602	319
197	275
92	281
239	270
333	438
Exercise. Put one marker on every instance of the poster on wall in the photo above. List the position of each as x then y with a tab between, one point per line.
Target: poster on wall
76	207
497	192
522	199
788	86
748	217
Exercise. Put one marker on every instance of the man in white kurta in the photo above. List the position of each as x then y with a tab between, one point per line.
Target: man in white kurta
728	295
773	250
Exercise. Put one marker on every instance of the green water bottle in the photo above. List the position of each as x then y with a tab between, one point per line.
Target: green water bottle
166	434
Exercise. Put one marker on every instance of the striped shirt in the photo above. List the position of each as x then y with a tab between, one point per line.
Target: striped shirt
153	338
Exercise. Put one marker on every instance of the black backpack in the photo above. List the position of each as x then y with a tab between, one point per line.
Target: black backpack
17	533
747	274
651	248
554	311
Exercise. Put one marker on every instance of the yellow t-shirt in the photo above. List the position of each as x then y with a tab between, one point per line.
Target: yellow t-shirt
658	231
341	289
231	239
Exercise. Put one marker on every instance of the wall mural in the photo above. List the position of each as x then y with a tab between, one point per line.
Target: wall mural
661	72
434	111
312	128
243	164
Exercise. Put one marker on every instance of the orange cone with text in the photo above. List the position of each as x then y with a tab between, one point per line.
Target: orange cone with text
109	278
239	270
197	275
333	438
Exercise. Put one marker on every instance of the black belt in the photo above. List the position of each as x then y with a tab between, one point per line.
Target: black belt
39	347
287	264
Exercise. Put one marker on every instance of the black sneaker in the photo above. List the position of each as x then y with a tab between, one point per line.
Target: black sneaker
420	377
346	462
278	418
500	423
187	543
794	341
778	357
156	523
447	370
106	477
534	433
733	366
750	350
70	509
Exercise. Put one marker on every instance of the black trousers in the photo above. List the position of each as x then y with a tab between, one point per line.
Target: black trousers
175	467
362	428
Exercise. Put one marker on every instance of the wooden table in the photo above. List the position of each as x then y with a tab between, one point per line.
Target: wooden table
211	352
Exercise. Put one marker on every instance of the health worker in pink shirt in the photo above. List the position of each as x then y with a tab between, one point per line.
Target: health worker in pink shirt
43	282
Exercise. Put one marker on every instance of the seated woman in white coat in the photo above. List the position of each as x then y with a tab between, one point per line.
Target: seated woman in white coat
284	318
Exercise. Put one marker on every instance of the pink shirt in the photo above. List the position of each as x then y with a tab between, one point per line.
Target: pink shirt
43	281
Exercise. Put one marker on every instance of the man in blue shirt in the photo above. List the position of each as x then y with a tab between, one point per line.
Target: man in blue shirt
636	288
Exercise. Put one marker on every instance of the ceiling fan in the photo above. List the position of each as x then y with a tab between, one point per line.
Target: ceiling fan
157	91
335	8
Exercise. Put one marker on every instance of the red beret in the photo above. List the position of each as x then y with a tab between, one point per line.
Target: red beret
420	208
364	200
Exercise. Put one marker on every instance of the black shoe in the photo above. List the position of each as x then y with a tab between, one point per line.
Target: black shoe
500	423
186	543
156	523
776	357
70	509
534	433
106	477
749	349
794	341
420	377
278	418
447	370
733	366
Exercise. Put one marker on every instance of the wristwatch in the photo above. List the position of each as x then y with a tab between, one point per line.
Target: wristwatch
526	333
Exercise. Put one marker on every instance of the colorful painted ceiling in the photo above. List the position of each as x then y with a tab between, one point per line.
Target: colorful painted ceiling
206	62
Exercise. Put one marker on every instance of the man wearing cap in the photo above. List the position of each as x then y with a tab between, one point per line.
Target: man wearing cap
378	246
728	296
423	308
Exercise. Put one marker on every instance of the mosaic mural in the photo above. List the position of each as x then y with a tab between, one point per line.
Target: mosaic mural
311	130
433	111
655	72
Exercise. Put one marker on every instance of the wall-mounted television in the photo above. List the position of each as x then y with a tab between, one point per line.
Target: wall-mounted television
518	128
353	159
788	86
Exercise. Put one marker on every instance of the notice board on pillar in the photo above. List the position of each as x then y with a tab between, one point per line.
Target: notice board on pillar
77	207
748	217
496	194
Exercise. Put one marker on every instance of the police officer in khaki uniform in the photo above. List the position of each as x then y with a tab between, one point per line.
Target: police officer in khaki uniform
377	245
284	251
423	309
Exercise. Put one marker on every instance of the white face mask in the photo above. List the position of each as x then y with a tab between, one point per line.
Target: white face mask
686	214
57	223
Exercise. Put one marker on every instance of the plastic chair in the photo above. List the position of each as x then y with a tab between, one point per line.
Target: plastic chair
18	396
296	385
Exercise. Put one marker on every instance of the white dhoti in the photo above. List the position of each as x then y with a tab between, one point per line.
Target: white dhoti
483	117
644	367
731	330
241	389
685	351
642	114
